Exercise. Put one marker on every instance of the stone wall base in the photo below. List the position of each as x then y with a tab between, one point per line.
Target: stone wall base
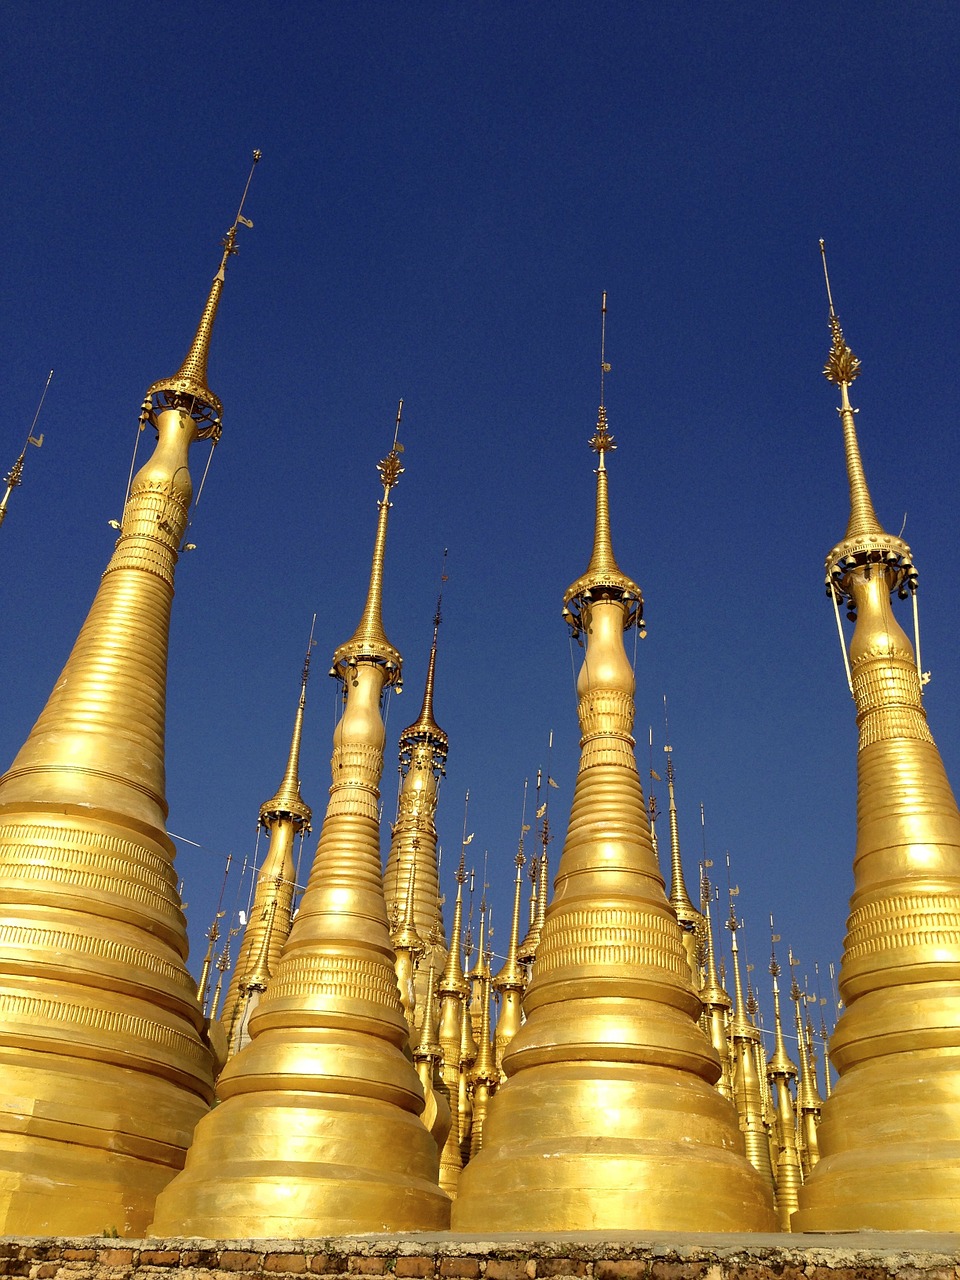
449	1256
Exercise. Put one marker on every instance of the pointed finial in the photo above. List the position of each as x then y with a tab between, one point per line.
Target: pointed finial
14	476
679	898
425	728
604	578
288	802
865	541
369	642
188	387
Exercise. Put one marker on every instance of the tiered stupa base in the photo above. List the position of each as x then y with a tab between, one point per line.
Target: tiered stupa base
590	1146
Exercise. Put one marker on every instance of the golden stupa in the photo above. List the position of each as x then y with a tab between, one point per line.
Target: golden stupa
889	1140
318	1131
609	1119
286	818
104	1064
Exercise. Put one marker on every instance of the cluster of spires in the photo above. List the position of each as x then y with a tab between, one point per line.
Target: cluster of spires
361	1084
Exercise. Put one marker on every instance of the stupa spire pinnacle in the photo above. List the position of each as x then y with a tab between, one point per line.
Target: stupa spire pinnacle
14	476
604	577
284	817
369	642
288	798
188	388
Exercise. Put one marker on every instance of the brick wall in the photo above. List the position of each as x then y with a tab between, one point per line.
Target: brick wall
587	1256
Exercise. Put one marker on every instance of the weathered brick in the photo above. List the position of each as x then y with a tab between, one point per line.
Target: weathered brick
628	1269
460	1268
367	1266
328	1264
507	1269
116	1258
416	1267
45	1270
236	1260
291	1263
79	1255
561	1267
159	1258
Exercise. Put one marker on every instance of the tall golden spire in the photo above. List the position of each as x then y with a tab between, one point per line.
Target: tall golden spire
890	1133
324	1096
688	917
713	995
97	1005
610	1010
780	1072
539	874
747	1084
14	476
809	1102
413	843
285	817
509	981
453	990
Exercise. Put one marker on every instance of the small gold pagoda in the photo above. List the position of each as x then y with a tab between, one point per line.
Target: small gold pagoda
104	1065
889	1139
285	818
609	1119
411	870
318	1131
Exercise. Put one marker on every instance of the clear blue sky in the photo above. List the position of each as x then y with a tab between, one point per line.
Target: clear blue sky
446	189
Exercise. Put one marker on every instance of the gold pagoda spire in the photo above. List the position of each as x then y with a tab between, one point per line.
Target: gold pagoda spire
97	1004
713	995
285	817
453	990
509	981
539	874
14	476
324	1097
890	1133
610	1009
485	1074
780	1072
809	1102
688	917
369	642
747	1084
412	860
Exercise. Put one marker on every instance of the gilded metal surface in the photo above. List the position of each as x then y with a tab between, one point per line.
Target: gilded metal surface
318	1130
688	917
104	1065
890	1134
284	817
411	871
608	1119
453	990
510	980
749	1082
781	1072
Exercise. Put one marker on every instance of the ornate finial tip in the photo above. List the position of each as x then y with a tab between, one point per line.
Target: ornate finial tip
602	441
257	155
390	468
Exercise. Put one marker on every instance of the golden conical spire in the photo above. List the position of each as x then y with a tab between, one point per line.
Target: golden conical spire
369	642
284	817
453	991
509	982
97	1004
780	1072
610	1009
809	1102
412	860
324	1095
539	874
747	1084
890	1134
14	476
485	1075
688	916
189	383
437	1116
713	995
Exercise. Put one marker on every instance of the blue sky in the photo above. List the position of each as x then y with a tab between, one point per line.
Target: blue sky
446	189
